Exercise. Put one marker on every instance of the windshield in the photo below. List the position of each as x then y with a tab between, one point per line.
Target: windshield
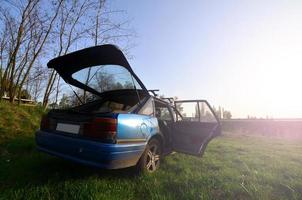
106	77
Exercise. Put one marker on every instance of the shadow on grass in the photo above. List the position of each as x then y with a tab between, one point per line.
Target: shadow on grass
22	165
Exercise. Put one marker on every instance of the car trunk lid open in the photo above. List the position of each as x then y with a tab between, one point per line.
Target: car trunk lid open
71	66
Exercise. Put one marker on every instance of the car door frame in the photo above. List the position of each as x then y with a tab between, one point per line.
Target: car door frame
214	132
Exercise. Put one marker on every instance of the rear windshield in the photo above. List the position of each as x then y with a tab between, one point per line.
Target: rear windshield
120	91
104	78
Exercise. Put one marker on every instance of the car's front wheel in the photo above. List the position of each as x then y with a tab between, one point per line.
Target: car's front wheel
150	160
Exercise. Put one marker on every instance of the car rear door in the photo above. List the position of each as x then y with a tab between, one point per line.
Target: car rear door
195	126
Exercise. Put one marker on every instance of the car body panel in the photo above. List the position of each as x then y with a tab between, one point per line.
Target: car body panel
94	153
133	133
134	127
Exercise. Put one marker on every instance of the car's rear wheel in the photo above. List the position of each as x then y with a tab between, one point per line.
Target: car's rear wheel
150	160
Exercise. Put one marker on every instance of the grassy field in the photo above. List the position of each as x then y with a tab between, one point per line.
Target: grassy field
234	166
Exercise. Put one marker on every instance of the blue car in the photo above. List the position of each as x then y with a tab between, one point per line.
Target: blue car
115	121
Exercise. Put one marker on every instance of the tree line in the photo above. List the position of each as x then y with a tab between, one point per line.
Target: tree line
34	31
222	113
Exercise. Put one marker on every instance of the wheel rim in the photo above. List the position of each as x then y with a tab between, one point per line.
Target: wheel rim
153	157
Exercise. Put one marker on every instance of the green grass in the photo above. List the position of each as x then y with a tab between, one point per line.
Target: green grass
234	166
18	120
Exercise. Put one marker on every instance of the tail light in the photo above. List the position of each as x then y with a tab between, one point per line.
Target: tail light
101	128
45	123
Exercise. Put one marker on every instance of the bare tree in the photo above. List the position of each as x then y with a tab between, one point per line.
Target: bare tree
17	31
89	22
69	30
3	46
35	81
33	30
27	37
97	24
39	43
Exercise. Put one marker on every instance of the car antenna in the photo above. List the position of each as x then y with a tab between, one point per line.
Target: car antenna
76	94
153	92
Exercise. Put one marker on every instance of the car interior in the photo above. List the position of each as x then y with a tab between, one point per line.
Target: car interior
165	120
121	101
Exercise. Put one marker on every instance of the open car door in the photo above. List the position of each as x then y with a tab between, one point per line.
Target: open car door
196	124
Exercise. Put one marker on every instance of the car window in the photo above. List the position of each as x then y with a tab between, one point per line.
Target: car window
163	113
148	108
106	77
195	111
189	111
206	115
176	114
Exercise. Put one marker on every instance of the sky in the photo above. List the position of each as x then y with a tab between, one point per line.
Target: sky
243	55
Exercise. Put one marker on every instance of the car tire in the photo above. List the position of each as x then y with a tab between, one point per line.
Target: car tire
150	160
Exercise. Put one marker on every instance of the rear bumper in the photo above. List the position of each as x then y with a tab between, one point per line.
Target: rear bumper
109	156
